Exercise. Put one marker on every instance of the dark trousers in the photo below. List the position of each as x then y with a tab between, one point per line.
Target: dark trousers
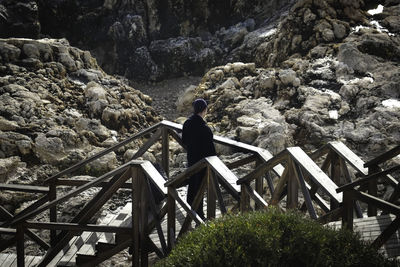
194	187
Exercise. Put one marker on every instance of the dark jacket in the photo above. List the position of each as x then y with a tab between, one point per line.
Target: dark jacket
198	138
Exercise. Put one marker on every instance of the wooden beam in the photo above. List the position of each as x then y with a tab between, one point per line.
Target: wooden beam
366	179
25	188
180	178
349	156
256	197
69	182
382	204
387	233
306	193
151	141
383	157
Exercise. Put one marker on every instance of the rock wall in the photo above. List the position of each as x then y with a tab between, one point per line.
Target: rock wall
58	106
144	40
337	78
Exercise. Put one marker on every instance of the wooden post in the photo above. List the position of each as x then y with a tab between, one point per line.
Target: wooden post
20	246
165	151
373	190
171	227
348	204
293	187
244	199
143	219
335	176
259	185
211	198
135	216
53	211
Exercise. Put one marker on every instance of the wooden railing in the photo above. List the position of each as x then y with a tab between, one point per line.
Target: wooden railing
355	191
286	174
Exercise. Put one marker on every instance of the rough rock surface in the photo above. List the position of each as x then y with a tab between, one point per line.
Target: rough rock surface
146	40
336	77
58	107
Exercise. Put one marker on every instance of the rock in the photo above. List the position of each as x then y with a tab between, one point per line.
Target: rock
8	166
49	149
101	165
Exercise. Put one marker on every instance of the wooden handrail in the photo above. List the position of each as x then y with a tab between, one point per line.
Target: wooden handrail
367	179
384	157
74	192
24	188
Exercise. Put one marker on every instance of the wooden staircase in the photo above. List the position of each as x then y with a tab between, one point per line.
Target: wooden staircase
158	213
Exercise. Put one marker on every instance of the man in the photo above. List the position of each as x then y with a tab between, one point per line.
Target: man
198	138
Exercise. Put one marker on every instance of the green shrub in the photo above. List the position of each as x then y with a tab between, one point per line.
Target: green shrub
271	238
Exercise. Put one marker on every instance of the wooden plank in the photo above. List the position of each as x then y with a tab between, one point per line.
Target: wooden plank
384	157
35	261
384	205
306	193
25	188
368	178
180	178
256	197
11	258
154	176
226	177
349	156
315	173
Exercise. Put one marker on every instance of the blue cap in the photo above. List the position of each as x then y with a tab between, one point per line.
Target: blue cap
199	105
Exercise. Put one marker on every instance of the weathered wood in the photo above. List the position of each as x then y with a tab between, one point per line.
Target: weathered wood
227	178
306	193
171	228
25	188
276	196
211	195
262	169
20	246
348	204
165	151
384	157
156	178
293	187
269	182
331	216
387	233
136	191
75	192
191	213
368	178
241	162
156	218
180	178
261	203
217	190
382	204
144	249
349	156
244	199
76	227
315	173
347	176
69	182
320	152
89	210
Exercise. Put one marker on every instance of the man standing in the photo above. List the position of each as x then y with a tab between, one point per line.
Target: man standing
198	138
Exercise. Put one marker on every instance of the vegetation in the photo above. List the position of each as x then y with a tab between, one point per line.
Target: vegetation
271	238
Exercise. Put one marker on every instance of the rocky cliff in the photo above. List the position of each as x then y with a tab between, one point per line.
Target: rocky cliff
144	40
58	107
330	70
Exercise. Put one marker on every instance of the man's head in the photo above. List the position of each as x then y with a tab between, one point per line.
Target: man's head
199	106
